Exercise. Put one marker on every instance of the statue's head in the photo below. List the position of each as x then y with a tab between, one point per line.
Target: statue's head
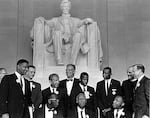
65	6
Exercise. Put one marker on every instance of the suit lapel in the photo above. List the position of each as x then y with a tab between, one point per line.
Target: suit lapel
17	83
103	87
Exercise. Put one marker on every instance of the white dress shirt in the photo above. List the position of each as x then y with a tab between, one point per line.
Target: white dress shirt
120	112
79	110
69	85
48	114
138	81
53	90
21	80
84	88
107	81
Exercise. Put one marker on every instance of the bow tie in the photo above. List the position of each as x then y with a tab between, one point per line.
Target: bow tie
69	80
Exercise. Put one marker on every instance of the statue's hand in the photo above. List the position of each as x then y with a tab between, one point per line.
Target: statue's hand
88	21
66	38
41	19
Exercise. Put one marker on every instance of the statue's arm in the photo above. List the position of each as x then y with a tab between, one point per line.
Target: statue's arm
86	21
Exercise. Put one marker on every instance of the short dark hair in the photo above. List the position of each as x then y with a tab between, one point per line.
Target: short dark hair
140	67
108	68
83	73
21	61
53	95
53	74
72	66
31	66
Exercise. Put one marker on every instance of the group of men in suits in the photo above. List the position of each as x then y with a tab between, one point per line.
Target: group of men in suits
21	97
73	93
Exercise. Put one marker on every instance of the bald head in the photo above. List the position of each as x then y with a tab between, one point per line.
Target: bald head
130	73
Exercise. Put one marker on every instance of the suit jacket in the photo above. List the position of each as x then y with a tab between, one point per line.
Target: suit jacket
128	91
114	90
60	109
141	98
125	114
74	114
70	101
36	94
91	102
12	99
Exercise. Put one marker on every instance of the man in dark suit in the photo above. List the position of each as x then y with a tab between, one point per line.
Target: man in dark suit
88	91
35	87
80	111
106	91
53	88
128	89
15	97
142	91
118	110
54	111
70	85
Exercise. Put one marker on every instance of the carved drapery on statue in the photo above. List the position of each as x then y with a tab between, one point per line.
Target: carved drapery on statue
82	45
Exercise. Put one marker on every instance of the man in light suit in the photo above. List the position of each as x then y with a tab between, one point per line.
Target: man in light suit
35	87
142	92
15	97
70	85
128	90
106	91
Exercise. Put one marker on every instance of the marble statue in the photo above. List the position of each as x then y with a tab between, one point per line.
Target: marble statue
69	39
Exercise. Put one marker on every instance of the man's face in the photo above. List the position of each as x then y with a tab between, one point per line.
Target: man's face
70	71
54	81
2	74
53	102
118	102
22	68
30	73
130	73
81	101
106	74
84	80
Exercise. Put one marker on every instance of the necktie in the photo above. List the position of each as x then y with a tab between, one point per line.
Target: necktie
21	84
107	87
84	89
81	114
53	90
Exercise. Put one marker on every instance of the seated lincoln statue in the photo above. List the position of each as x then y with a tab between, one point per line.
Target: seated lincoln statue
69	39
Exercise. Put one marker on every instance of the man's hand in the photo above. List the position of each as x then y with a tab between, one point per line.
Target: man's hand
105	111
6	115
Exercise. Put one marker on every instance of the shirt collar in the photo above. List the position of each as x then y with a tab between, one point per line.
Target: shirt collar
140	78
51	88
82	87
18	75
70	80
108	80
79	109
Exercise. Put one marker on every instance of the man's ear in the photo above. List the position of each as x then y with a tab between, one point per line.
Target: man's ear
77	100
122	104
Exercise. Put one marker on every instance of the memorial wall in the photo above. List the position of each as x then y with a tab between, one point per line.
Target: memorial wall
124	30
